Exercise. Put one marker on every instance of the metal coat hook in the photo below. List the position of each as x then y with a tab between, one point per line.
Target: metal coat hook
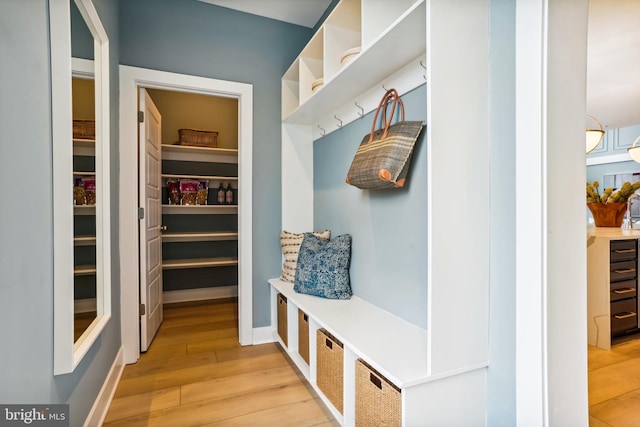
322	131
424	76
339	121
361	112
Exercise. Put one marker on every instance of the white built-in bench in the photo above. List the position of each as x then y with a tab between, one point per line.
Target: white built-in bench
394	347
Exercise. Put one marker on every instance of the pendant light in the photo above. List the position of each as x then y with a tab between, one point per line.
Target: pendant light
594	136
634	151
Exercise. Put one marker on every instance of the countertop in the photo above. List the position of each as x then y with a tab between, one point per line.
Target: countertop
613	233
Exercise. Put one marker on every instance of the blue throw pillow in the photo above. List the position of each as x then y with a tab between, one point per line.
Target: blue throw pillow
323	267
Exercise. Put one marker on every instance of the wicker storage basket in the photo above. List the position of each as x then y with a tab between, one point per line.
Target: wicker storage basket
84	129
378	401
282	318
330	368
199	138
303	335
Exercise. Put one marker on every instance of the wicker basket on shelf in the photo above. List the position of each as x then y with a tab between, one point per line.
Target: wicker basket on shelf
330	368
303	335
84	129
378	401
198	138
282	319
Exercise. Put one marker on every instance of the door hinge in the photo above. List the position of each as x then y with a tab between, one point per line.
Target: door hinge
143	309
140	213
141	116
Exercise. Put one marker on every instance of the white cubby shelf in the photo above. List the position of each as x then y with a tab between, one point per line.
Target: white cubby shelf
397	37
392	346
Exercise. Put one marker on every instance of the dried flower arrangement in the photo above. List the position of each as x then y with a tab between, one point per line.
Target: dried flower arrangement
608	195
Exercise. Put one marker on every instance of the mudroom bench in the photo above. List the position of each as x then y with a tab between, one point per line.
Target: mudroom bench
386	353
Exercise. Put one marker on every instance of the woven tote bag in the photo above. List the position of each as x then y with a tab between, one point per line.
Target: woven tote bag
383	157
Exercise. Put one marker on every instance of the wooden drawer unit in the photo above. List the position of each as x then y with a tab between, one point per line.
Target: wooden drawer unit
623	250
623	285
623	290
624	316
623	270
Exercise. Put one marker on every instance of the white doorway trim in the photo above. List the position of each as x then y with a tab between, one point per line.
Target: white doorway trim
132	78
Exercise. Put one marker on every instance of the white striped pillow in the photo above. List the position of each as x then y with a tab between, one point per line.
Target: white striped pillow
290	243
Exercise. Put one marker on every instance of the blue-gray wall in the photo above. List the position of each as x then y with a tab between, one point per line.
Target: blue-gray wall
501	382
26	226
191	37
615	142
388	227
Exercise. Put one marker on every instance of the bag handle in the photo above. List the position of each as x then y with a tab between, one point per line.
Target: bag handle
391	96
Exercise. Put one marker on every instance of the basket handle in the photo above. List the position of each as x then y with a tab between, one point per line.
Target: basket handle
391	96
375	380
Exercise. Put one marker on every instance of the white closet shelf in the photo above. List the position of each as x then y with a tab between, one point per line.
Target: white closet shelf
199	209
84	240
199	236
199	154
174	264
84	210
84	147
84	270
76	173
403	42
197	177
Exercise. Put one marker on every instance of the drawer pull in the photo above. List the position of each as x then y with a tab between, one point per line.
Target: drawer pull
623	290
626	270
626	315
624	251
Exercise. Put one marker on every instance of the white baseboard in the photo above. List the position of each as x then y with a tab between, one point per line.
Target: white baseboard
264	335
103	401
201	294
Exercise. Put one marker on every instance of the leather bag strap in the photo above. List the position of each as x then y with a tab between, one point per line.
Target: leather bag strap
391	96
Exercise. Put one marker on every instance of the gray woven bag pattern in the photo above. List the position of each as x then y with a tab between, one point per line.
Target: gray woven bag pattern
382	159
392	153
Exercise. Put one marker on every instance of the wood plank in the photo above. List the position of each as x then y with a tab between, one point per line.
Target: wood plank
226	354
143	403
188	336
174	264
210	411
295	414
170	378
238	384
207	377
218	344
613	380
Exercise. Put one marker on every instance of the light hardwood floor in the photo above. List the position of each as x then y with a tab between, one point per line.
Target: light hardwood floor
614	385
196	374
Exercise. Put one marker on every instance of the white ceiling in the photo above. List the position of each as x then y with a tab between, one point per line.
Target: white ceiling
300	12
613	62
613	52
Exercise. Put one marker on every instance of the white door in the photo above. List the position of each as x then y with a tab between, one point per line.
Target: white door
150	234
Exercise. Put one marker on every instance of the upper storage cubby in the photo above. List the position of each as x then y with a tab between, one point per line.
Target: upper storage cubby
360	43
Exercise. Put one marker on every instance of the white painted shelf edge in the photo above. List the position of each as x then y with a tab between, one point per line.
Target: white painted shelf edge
394	347
199	154
404	41
199	209
84	270
84	147
84	210
199	236
84	240
174	264
208	177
